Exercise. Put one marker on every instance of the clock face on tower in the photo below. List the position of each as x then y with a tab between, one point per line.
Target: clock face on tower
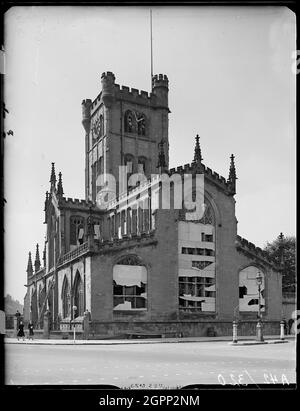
97	126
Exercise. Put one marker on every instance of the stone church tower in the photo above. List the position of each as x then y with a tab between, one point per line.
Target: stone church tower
124	127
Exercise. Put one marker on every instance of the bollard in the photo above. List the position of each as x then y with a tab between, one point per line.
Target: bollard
234	332
259	333
282	330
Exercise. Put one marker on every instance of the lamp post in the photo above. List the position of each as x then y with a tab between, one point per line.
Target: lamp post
74	327
259	331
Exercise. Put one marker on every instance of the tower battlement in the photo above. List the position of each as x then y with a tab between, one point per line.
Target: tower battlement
111	90
160	80
86	114
108	76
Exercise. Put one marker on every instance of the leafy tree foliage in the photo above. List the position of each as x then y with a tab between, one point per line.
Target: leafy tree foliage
283	252
11	305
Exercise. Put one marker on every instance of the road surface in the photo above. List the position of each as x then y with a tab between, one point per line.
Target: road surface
147	366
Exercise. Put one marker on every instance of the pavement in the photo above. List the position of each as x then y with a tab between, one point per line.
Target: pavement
242	340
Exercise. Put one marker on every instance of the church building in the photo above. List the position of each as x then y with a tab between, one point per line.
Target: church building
149	250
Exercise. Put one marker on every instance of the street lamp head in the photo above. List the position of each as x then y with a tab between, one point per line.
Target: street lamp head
74	308
259	278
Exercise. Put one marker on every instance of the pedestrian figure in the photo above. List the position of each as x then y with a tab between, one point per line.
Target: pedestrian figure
31	333
21	331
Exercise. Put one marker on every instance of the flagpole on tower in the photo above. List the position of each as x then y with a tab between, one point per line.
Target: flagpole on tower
151	49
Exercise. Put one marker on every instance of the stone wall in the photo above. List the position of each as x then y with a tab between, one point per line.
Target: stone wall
180	328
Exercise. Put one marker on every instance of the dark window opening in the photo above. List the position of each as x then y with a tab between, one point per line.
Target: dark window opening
76	230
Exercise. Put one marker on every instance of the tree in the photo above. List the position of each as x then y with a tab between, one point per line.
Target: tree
11	305
283	253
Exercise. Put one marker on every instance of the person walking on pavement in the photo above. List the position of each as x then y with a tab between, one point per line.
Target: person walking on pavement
21	331
31	333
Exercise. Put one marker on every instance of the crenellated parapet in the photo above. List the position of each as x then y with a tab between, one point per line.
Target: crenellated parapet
77	203
252	251
112	91
160	80
211	175
134	95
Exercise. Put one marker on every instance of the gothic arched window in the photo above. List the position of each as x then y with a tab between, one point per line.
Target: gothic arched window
142	165
95	227
128	161
197	281
141	123
76	230
205	215
129	122
66	298
129	284
78	295
101	126
208	216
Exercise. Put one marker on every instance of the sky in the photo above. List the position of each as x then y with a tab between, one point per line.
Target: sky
230	81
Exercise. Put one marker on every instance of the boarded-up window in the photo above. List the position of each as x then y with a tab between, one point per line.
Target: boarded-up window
197	293
129	287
